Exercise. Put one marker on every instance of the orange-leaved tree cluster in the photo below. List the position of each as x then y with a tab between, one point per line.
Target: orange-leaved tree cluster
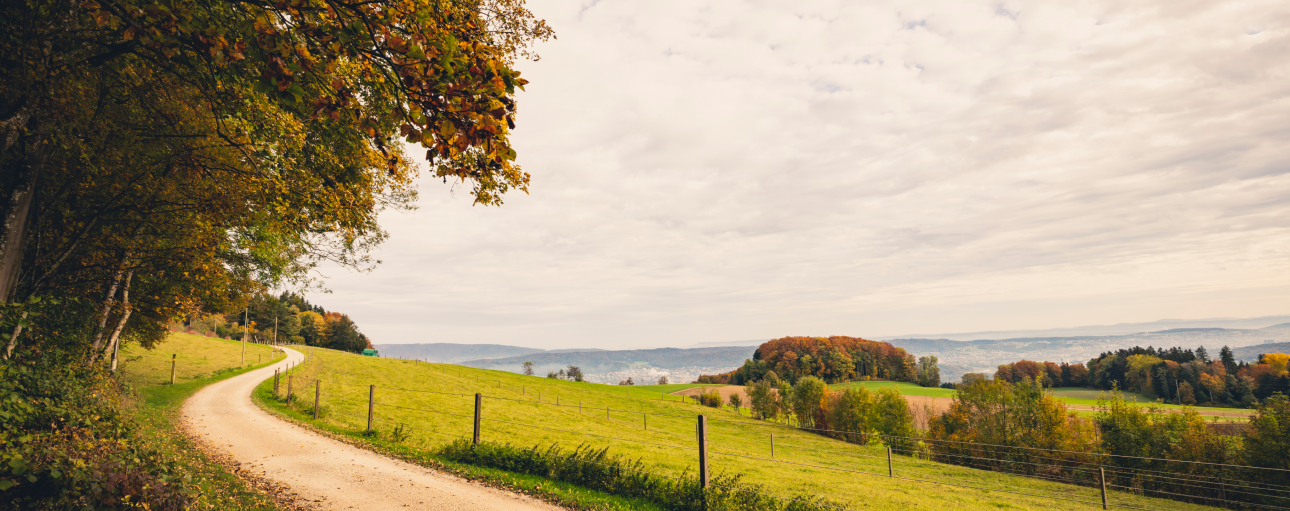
832	359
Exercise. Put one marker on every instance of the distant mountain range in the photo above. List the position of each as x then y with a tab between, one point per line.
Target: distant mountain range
984	355
1109	330
958	353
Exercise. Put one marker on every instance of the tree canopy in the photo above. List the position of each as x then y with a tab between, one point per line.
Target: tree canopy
163	158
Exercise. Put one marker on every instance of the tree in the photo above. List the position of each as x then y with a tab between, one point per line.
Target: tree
1268	442
928	374
1228	359
736	401
1185	394
573	373
528	368
808	402
762	400
628	381
204	150
662	380
1202	355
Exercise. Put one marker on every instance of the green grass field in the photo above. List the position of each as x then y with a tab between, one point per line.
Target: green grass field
157	405
198	357
905	388
435	403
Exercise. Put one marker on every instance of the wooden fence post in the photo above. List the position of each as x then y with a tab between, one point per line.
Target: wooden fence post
1102	477
173	366
890	472
275	381
703	452
645	421
478	402
371	406
772	445
317	394
289	375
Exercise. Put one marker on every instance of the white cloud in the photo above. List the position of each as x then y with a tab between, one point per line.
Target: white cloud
717	170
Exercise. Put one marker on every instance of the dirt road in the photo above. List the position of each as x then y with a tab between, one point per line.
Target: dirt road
333	474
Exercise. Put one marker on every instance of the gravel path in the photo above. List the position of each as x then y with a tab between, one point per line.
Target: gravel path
333	474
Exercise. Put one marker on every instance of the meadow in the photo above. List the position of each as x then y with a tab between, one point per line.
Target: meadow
425	406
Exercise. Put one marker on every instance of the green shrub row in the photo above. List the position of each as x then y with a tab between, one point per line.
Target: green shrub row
597	469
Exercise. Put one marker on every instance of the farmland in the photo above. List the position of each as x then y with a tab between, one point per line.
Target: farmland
433	404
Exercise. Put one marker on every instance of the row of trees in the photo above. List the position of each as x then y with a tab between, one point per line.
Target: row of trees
852	414
831	359
1176	375
1048	374
1021	427
289	318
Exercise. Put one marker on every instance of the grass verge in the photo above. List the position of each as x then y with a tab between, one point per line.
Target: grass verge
156	410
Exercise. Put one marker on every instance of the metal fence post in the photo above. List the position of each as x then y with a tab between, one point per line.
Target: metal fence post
478	402
371	406
1102	476
890	472
703	452
317	394
173	363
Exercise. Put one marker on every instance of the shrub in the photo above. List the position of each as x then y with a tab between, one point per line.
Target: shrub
64	444
596	469
710	398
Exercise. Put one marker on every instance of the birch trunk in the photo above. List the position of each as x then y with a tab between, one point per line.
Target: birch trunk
13	339
114	343
103	316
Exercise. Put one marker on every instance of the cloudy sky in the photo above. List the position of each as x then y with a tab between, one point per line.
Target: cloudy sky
709	170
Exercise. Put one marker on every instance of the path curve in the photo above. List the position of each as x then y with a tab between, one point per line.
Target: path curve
334	474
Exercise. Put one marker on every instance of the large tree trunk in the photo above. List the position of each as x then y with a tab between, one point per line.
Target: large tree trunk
114	344
15	209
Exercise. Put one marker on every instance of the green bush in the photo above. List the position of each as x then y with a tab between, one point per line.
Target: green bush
710	398
64	444
596	469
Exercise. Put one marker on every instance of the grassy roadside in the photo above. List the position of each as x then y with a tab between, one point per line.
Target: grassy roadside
556	492
157	404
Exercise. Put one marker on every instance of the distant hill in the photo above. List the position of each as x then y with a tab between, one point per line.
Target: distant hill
718	344
1282	326
1251	353
610	366
451	353
1105	330
984	355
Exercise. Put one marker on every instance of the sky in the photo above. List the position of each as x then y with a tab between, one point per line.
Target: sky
709	170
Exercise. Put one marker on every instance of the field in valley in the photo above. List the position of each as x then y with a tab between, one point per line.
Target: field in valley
433	403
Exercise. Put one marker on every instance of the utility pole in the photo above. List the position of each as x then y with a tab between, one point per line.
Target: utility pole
275	330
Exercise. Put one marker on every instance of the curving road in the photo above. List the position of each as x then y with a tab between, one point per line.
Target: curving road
334	474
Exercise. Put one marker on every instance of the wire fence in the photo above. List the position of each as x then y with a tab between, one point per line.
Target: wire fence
1111	481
